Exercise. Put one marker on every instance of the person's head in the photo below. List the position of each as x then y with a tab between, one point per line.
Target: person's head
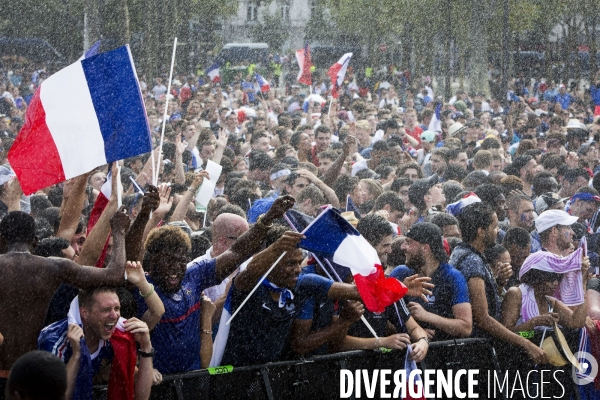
100	309
554	228
97	180
478	223
447	223
542	281
584	203
260	166
475	179
371	189
346	185
300	141
524	167
226	229
439	160
520	211
497	255
458	157
207	150
392	203
37	375
425	193
18	227
493	196
378	232
323	138
573	179
400	186
518	243
424	244
54	247
544	182
482	160
165	257
326	160
309	200
295	183
411	171
287	271
260	141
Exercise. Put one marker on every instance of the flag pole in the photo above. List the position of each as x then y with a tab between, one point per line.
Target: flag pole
256	287
330	102
164	122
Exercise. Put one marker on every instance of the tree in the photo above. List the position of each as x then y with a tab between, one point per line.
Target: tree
271	30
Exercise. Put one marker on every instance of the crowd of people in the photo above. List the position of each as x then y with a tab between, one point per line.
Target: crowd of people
480	206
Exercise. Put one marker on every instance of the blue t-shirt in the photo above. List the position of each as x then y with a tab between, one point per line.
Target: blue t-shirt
176	338
262	327
472	264
450	289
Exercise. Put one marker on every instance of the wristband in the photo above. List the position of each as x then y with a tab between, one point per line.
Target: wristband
426	340
147	355
260	222
145	296
191	189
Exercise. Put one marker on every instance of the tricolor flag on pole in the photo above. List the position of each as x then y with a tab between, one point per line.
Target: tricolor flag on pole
337	72
436	121
331	235
304	62
263	83
85	115
213	72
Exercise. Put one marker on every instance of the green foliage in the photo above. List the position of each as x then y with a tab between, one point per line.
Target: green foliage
271	30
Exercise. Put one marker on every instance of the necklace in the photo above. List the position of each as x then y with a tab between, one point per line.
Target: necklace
19	252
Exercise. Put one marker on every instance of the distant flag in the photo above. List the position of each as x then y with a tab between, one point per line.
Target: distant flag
436	121
331	235
457	207
304	62
337	72
262	82
351	207
88	114
213	72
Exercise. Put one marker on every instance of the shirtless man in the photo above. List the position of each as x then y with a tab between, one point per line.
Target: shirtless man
29	282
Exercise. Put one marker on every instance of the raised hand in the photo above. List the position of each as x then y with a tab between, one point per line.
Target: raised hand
74	335
166	200
119	223
140	332
180	145
351	311
135	272
222	139
198	179
279	207
151	199
418	287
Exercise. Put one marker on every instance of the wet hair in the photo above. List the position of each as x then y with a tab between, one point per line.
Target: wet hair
17	227
51	247
493	253
442	220
55	196
43	229
231	209
86	296
488	193
52	215
475	179
343	186
243	198
374	228
390	198
38	204
541	183
535	277
167	237
517	236
313	193
473	217
200	245
273	234
38	375
455	172
400	182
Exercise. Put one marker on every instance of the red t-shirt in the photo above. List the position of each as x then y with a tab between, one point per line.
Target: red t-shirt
415	133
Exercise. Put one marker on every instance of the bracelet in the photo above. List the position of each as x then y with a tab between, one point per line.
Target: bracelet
191	189
376	343
426	340
146	355
207	332
145	296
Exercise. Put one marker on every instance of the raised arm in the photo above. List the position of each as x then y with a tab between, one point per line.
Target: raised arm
70	211
327	191
179	169
334	171
250	242
133	238
84	277
182	207
221	145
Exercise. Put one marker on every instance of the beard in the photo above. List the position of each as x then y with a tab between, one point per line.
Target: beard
415	262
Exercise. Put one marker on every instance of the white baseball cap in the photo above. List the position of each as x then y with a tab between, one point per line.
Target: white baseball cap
550	218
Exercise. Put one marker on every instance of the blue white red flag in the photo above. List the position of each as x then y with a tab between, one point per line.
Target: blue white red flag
263	83
436	121
331	235
304	62
337	73
85	115
457	207
213	72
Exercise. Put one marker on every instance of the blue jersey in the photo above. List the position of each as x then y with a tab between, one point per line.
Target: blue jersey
176	338
450	289
262	327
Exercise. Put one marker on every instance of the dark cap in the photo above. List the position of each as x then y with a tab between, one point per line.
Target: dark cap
547	200
431	234
419	189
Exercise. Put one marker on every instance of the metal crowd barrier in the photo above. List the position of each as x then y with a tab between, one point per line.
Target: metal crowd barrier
316	377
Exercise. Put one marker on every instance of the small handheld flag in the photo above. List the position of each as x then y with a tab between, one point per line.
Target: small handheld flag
263	83
304	62
337	73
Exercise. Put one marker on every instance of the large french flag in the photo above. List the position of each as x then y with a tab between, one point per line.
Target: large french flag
331	235
337	73
85	115
304	62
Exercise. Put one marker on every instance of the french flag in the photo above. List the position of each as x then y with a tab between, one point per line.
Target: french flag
304	62
263	83
436	121
457	207
213	72
337	73
86	115
331	235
